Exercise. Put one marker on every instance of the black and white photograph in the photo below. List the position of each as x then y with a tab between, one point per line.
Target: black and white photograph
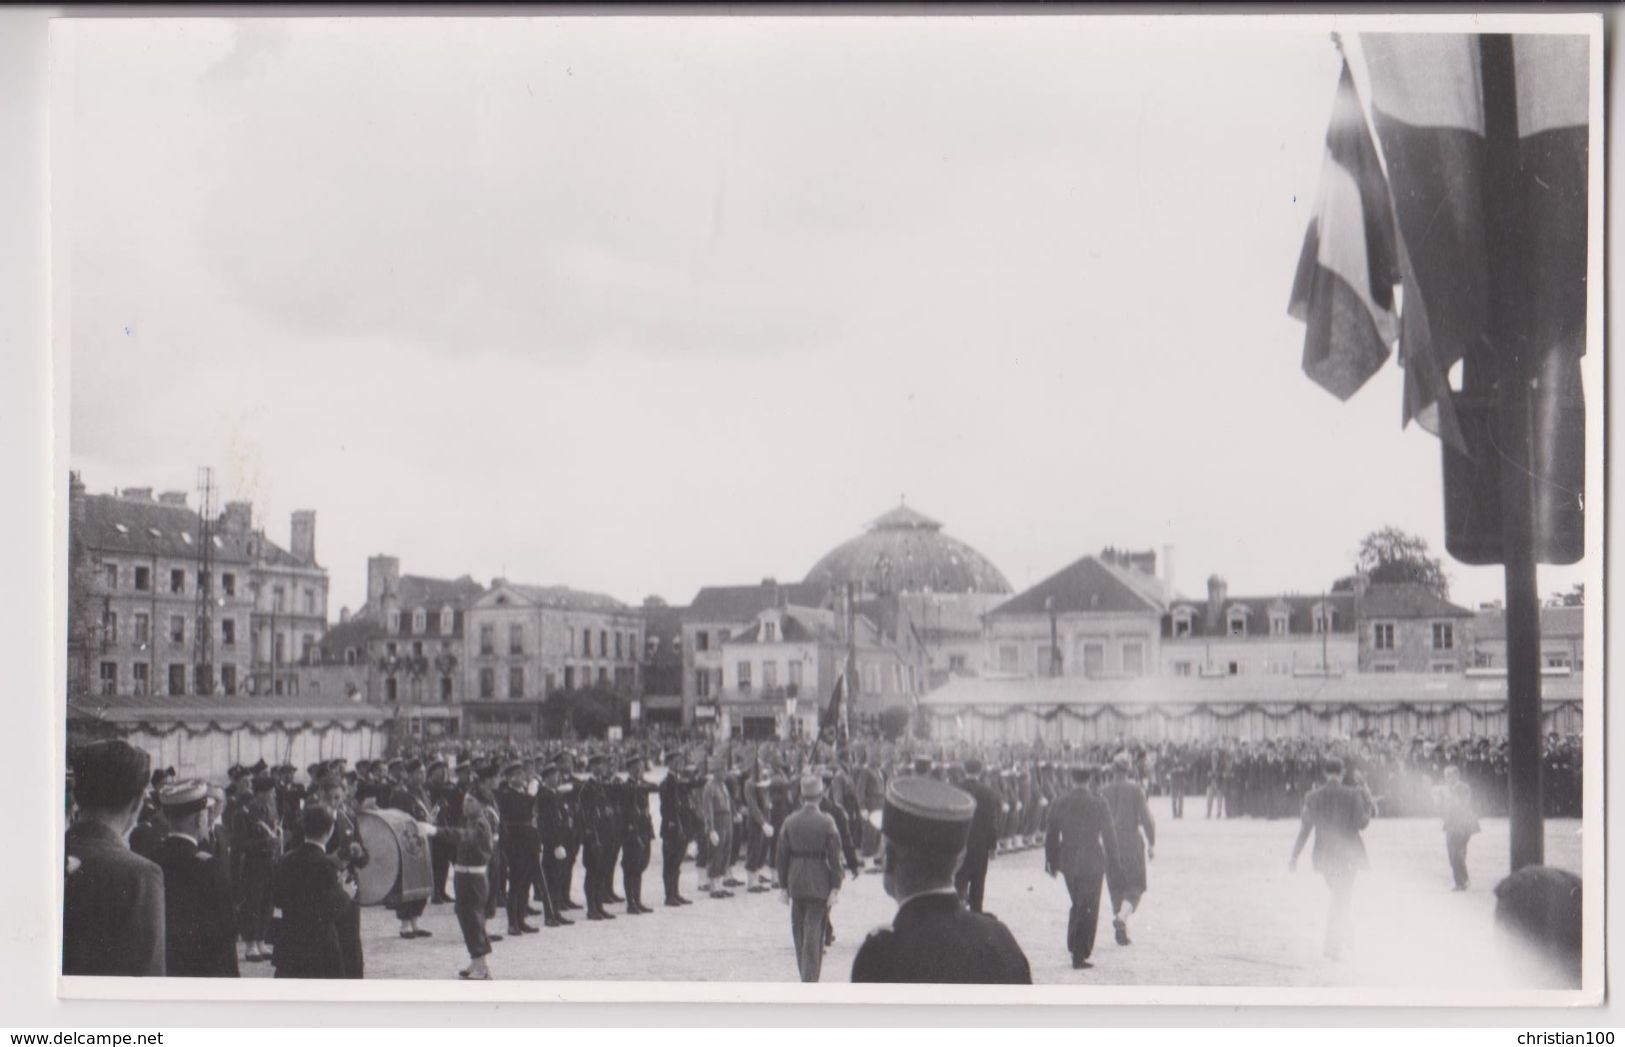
822	506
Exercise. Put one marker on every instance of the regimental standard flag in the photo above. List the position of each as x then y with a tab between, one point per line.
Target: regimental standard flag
834	713
1431	218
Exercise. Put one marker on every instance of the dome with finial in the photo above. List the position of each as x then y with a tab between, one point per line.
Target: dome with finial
905	551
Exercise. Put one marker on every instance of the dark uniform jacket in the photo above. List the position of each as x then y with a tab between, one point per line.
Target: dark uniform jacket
112	906
809	863
984	832
200	925
553	820
313	901
1337	812
1080	839
936	939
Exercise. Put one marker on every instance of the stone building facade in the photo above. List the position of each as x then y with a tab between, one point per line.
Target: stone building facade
138	588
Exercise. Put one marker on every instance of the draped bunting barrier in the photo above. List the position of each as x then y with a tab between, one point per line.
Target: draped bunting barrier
1243	720
207	746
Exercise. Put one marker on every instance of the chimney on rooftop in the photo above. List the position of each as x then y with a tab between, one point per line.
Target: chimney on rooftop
383	578
302	535
76	499
238	520
1168	571
1217	591
138	494
176	498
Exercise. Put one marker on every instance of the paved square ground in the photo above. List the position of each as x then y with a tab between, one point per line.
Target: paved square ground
1222	910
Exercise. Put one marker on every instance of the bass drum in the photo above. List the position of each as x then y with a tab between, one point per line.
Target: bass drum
398	868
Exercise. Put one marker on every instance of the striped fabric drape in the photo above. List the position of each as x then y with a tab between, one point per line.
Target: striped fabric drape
1421	216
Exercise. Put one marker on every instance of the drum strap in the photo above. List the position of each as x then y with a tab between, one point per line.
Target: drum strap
470	870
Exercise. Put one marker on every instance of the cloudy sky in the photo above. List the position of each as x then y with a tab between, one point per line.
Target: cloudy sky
639	305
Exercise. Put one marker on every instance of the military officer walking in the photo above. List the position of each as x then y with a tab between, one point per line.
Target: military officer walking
925	825
1080	846
809	869
971	880
200	931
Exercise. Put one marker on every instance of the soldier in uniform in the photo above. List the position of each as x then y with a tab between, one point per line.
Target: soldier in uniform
637	835
112	898
521	845
570	817
971	879
871	797
598	833
474	839
411	796
200	931
925	825
809	868
1335	813
1081	846
1131	817
676	818
446	801
346	854
759	829
553	828
716	808
258	837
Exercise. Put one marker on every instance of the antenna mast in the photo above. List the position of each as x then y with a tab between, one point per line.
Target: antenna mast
203	624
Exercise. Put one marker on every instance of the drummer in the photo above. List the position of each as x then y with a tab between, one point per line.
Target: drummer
475	843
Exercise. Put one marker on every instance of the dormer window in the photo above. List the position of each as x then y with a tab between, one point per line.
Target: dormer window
1278	623
420	621
770	632
445	621
1182	623
1325	618
394	621
1236	622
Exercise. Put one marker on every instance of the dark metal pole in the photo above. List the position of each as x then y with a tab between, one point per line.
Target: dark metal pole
1506	242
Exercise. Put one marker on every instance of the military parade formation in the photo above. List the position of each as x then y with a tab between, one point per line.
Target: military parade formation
184	878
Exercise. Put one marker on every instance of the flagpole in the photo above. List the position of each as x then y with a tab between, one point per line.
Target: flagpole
1509	319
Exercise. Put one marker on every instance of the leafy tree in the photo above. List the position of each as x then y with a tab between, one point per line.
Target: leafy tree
1575	597
589	713
1389	555
894	721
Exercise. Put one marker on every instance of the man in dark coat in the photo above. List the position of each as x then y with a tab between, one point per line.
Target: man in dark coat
200	929
972	876
925	824
112	899
1081	846
1136	835
597	812
347	855
637	835
314	903
257	838
676	822
1336	813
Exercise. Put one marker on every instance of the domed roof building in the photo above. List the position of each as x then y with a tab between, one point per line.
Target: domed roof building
905	552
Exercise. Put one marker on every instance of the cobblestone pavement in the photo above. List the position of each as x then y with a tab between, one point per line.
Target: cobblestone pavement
1222	910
